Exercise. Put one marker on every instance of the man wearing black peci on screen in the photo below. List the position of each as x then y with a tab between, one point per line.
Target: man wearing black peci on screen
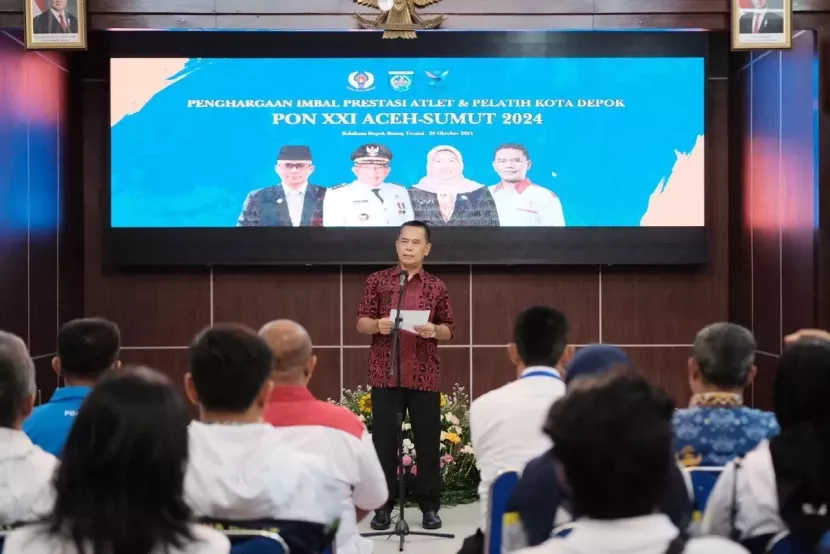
292	203
419	372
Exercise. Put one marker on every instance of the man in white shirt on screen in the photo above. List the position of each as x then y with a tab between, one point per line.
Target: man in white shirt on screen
368	201
506	423
521	203
331	432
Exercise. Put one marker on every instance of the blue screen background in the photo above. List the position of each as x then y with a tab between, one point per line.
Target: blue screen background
174	166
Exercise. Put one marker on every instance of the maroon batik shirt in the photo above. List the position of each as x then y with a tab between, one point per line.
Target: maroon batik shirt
419	357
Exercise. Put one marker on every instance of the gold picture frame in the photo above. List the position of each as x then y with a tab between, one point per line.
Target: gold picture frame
55	24
761	24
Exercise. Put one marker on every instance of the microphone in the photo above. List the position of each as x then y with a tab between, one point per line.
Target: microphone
403	278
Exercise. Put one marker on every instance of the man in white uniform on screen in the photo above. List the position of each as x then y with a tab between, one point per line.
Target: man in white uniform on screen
519	202
368	201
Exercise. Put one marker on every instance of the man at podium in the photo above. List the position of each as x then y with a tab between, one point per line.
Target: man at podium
419	371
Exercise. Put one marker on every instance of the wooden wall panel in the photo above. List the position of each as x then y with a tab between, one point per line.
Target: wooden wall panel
776	170
254	296
500	294
32	91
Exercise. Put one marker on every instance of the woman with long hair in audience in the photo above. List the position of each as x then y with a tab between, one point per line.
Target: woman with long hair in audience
784	484
119	486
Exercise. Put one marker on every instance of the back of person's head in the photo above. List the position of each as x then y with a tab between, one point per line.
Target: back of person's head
801	452
723	357
291	346
17	381
595	359
540	337
612	435
229	369
87	348
119	486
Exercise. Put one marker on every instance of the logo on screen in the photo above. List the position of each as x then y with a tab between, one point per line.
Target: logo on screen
436	78
361	81
400	81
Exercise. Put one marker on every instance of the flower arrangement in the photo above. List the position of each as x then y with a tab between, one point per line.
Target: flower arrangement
458	465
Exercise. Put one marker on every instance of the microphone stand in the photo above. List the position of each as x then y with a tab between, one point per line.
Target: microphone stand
401	526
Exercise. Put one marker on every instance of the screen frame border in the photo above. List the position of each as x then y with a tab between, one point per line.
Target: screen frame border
125	246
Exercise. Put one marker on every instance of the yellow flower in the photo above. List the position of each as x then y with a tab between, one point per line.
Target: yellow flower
443	400
365	404
453	438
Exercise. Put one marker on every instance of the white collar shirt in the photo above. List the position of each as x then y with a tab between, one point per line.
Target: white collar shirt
26	472
506	425
649	534
526	204
359	205
295	198
756	498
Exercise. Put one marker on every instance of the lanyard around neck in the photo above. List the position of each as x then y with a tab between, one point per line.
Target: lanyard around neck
541	374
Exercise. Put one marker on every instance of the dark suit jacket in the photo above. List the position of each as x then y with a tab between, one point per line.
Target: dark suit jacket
771	23
472	209
47	23
538	495
268	208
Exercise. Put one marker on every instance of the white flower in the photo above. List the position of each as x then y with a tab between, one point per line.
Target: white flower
362	418
443	435
407	444
452	419
456	430
443	446
468	449
406	426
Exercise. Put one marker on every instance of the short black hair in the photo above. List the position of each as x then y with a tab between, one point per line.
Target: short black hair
120	483
613	436
512	146
541	335
725	354
229	364
419	225
88	347
802	384
17	378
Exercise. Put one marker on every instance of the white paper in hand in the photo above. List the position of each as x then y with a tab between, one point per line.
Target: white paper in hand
411	318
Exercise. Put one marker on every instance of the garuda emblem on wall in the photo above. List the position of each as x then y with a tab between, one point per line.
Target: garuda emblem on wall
398	18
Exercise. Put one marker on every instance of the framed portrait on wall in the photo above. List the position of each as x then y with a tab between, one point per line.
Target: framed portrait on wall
762	24
55	24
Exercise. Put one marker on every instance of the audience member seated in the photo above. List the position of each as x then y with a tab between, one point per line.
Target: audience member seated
539	495
784	484
331	432
717	427
612	437
87	349
506	423
26	471
240	468
119	486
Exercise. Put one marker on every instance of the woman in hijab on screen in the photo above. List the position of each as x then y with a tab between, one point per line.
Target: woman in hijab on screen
445	198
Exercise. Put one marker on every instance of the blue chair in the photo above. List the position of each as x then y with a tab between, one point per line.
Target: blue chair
703	481
500	492
783	543
562	531
244	541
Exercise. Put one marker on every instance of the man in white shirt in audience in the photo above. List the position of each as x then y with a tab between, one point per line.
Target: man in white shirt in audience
612	438
322	428
26	471
506	423
240	468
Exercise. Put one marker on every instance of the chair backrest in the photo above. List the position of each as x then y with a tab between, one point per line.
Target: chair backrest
783	543
703	481
500	492
299	536
562	531
824	544
244	541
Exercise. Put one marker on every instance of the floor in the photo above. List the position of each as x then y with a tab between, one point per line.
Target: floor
459	520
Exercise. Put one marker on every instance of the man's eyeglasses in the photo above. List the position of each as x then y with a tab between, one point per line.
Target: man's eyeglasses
294	165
